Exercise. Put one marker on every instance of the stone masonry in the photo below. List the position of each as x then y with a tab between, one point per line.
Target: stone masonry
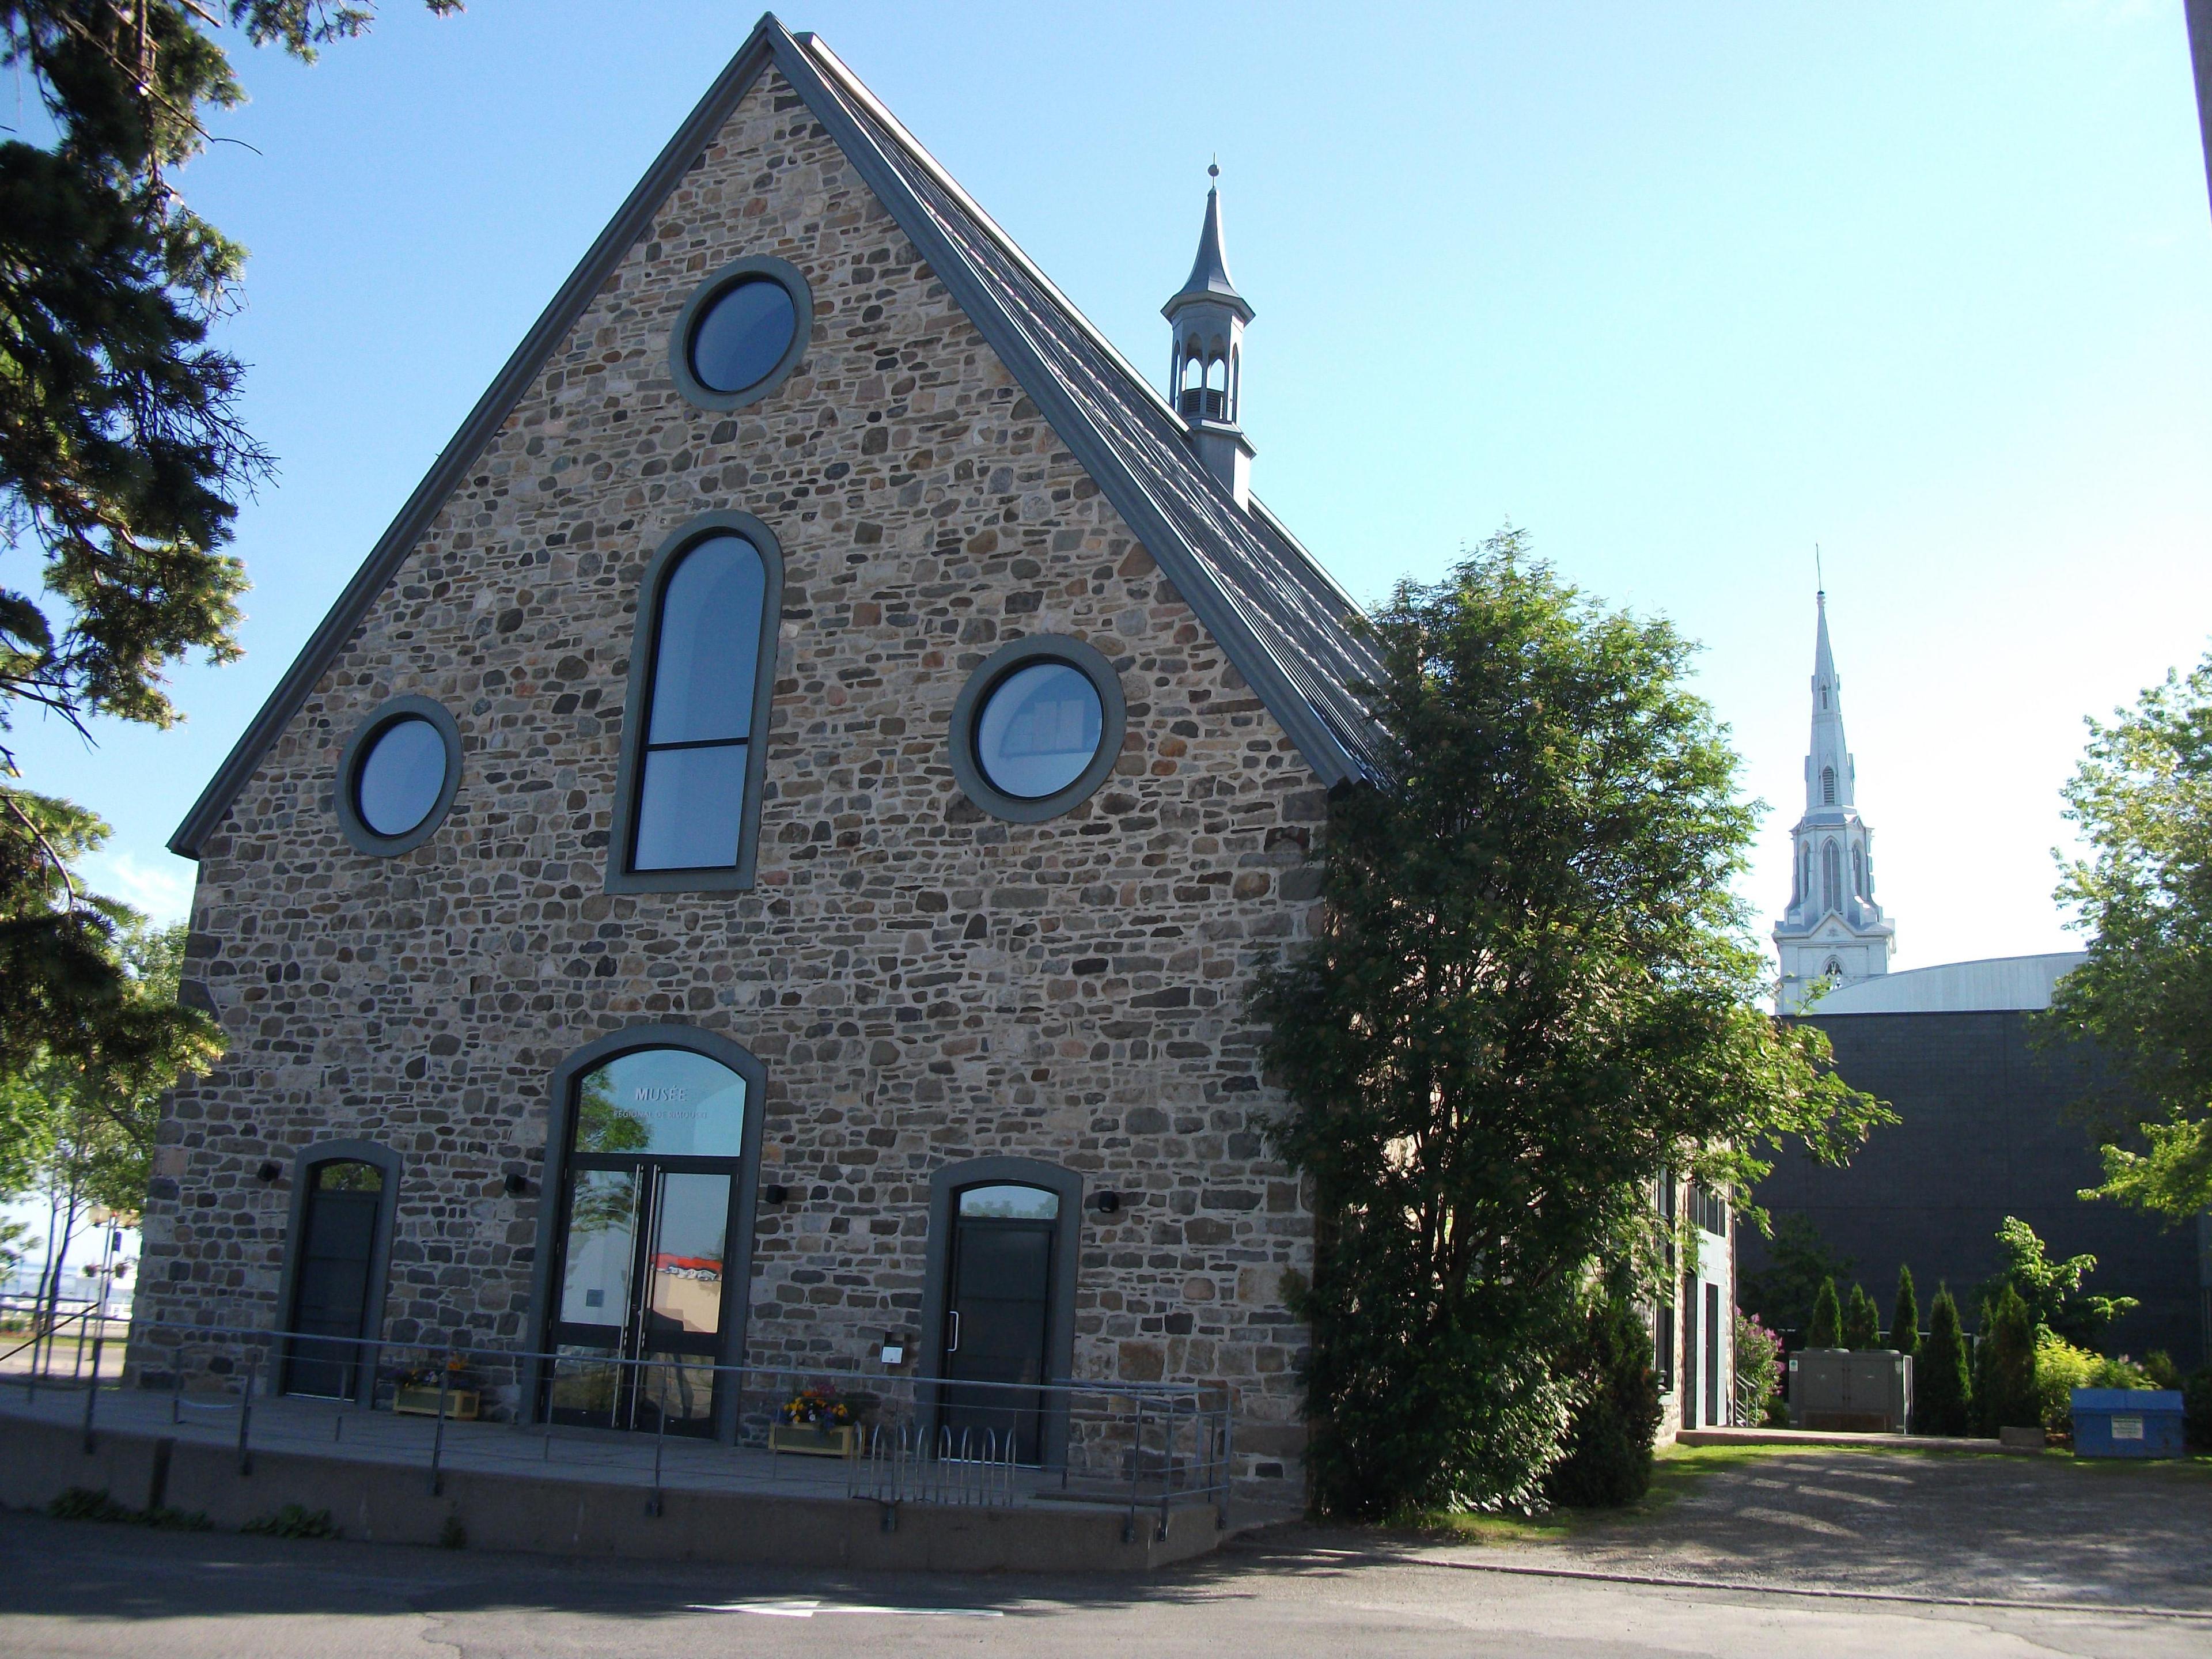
924	983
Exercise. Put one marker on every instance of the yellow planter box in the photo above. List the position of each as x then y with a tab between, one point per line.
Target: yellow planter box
808	1441
418	1401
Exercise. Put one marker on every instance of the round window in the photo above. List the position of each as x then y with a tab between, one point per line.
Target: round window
398	775
1036	728
743	334
741	330
400	780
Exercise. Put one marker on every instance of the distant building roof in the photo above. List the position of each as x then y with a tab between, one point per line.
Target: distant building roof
1955	987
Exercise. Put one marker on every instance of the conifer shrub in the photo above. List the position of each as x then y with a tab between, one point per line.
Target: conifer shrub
1942	1400
2007	1391
1608	1461
1861	1325
2197	1409
1905	1315
1828	1319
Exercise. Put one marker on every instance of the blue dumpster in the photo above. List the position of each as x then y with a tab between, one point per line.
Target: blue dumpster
2127	1423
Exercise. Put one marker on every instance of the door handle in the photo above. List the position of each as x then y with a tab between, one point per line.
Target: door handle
953	1346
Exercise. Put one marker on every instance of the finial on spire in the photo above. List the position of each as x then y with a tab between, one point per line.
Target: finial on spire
1213	167
1819	577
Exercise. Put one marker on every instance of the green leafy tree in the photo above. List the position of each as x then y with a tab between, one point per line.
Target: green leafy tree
2052	1290
85	1132
122	455
2004	1393
1607	1459
1905	1315
1942	1395
2143	799
1797	1260
1534	993
1827	1326
1861	1324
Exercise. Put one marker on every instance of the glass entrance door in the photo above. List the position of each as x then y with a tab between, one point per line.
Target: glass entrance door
642	1281
998	1309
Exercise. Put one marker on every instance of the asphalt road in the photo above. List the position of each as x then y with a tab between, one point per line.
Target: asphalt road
83	1589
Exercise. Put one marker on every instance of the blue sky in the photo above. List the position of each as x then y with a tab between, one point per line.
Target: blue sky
1682	290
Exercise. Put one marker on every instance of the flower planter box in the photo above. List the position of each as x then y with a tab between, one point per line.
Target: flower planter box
808	1441
414	1399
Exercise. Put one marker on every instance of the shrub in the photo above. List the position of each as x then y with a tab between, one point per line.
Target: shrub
2121	1373
2060	1368
293	1520
2197	1409
1608	1461
1905	1315
82	1504
2005	1389
1942	1402
1758	1374
2159	1369
1861	1324
1828	1319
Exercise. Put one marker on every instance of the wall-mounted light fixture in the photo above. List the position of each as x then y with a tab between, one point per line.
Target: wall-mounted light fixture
1108	1203
269	1170
776	1193
517	1184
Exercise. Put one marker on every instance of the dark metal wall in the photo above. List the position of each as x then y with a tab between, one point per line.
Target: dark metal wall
1984	1133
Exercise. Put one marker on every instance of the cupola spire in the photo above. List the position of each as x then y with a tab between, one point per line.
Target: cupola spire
1206	372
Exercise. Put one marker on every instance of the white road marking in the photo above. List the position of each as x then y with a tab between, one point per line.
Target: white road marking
808	1609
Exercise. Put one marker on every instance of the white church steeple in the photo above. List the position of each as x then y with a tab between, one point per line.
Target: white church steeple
1833	932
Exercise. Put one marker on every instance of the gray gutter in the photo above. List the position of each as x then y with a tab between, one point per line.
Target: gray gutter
675	159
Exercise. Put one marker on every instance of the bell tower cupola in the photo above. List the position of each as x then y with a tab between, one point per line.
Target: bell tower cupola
1207	375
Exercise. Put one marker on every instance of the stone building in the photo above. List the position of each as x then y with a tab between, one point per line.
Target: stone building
765	860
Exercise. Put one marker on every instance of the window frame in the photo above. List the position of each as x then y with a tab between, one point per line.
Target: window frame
355	756
994	671
782	272
645	650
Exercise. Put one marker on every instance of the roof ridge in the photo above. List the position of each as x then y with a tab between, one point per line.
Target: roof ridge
816	46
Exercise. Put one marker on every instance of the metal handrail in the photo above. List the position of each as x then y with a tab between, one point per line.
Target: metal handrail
1175	1440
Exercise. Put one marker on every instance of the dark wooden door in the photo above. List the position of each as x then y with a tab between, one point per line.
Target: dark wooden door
330	1296
997	1317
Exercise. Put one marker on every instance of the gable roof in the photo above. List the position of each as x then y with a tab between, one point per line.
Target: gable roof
1280	618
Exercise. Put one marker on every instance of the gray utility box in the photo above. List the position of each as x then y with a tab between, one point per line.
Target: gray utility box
1863	1391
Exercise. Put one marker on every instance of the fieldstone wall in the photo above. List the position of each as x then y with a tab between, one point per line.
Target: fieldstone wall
924	984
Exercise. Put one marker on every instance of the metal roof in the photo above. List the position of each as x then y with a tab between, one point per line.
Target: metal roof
1282	622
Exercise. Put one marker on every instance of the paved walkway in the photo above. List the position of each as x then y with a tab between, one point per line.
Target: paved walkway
1900	1524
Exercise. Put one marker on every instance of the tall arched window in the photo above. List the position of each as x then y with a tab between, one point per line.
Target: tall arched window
1858	873
702	666
1828	785
1832	877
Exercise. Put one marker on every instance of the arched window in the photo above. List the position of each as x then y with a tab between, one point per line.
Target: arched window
1834	969
1235	381
1832	877
1858	873
702	666
1828	785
